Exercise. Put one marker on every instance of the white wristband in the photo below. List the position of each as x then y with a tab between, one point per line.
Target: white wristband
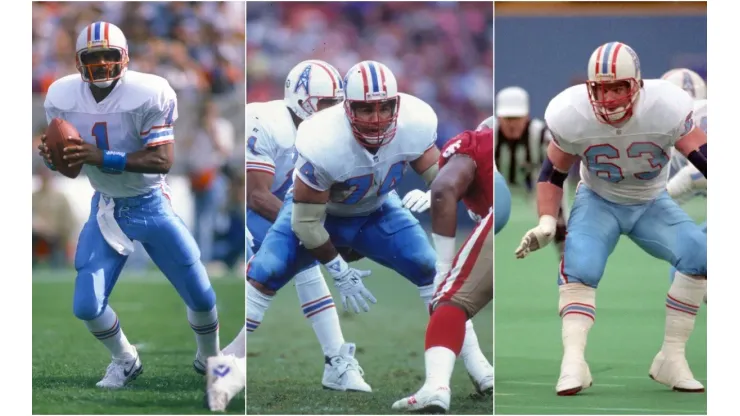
445	247
336	266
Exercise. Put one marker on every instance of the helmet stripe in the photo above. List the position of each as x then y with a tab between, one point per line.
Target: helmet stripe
614	59
374	76
605	62
364	78
96	36
598	59
331	75
89	33
382	78
105	31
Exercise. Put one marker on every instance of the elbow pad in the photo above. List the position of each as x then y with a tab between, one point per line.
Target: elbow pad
307	226
551	175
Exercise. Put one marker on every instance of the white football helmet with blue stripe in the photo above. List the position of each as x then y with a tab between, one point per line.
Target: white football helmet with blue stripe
372	103
614	81
311	83
101	54
689	81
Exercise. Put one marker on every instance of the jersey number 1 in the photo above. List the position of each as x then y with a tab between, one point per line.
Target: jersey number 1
100	132
596	156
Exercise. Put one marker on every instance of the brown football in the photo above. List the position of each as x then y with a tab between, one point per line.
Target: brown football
56	140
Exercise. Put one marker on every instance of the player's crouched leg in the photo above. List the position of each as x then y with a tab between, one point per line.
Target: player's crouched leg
691	250
502	201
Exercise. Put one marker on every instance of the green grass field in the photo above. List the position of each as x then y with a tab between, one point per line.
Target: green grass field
630	310
68	361
285	362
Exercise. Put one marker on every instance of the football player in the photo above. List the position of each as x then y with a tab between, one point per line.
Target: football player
464	282
350	159
622	128
125	120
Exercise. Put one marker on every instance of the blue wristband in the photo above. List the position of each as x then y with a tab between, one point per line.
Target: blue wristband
114	161
49	165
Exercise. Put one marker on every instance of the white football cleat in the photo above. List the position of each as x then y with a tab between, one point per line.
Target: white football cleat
121	371
575	376
484	386
675	373
225	379
427	400
342	372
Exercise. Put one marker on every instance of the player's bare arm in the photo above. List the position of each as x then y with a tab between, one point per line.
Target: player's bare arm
152	159
259	197
552	177
309	207
426	164
448	188
693	145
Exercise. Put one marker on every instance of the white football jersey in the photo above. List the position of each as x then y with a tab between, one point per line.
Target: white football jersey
329	156
139	112
678	160
271	143
625	164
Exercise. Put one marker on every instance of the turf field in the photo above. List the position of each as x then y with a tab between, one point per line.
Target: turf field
285	362
626	336
68	361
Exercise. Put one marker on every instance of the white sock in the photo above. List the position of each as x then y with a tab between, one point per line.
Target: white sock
205	326
578	311
318	307
107	330
426	293
682	305
257	304
475	362
439	363
237	347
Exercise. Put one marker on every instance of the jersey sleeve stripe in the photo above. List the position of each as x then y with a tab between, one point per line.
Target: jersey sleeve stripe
160	135
164	126
259	168
159	142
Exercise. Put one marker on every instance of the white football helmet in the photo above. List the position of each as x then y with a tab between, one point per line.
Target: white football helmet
614	81
310	82
372	103
106	41
688	81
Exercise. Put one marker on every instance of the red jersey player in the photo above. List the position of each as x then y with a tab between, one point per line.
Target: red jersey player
464	282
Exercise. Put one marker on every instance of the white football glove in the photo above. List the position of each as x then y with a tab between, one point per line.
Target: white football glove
348	281
417	201
686	180
537	237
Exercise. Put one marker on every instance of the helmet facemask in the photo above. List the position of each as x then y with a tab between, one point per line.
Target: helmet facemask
613	100
313	105
102	66
373	122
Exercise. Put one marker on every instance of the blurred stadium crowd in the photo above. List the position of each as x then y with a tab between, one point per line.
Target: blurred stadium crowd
441	52
199	49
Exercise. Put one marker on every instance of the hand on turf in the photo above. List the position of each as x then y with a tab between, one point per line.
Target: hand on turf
348	281
537	237
45	153
82	152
